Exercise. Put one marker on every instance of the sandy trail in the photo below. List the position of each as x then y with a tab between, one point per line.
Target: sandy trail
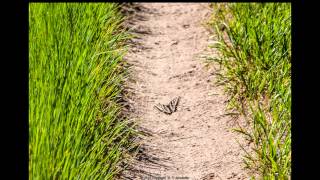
196	142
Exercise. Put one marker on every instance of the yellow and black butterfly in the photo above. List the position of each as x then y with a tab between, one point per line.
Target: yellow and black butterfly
170	108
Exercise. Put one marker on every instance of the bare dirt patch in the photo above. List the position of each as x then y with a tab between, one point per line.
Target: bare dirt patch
196	141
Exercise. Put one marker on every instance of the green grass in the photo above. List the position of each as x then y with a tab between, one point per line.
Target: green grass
254	43
76	130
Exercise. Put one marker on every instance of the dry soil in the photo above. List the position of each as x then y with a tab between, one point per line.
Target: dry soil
166	57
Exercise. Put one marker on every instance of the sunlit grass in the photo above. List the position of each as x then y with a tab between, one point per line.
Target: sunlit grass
254	41
75	75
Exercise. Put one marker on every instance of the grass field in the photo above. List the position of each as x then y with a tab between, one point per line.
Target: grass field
76	130
254	42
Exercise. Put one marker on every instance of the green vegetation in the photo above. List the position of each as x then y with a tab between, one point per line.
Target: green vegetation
76	130
254	43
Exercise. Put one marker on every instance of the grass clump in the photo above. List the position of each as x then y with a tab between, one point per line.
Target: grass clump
76	130
254	43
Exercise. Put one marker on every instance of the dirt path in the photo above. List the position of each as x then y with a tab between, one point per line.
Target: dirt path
196	141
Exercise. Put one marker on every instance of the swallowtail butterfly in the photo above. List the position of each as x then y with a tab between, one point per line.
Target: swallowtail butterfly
170	108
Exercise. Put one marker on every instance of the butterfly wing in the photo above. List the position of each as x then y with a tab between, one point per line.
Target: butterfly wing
174	103
163	108
159	107
167	109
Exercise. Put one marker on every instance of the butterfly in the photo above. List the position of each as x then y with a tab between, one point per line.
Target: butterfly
170	108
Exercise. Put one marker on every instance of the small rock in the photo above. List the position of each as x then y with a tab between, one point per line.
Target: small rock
174	42
186	25
232	175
